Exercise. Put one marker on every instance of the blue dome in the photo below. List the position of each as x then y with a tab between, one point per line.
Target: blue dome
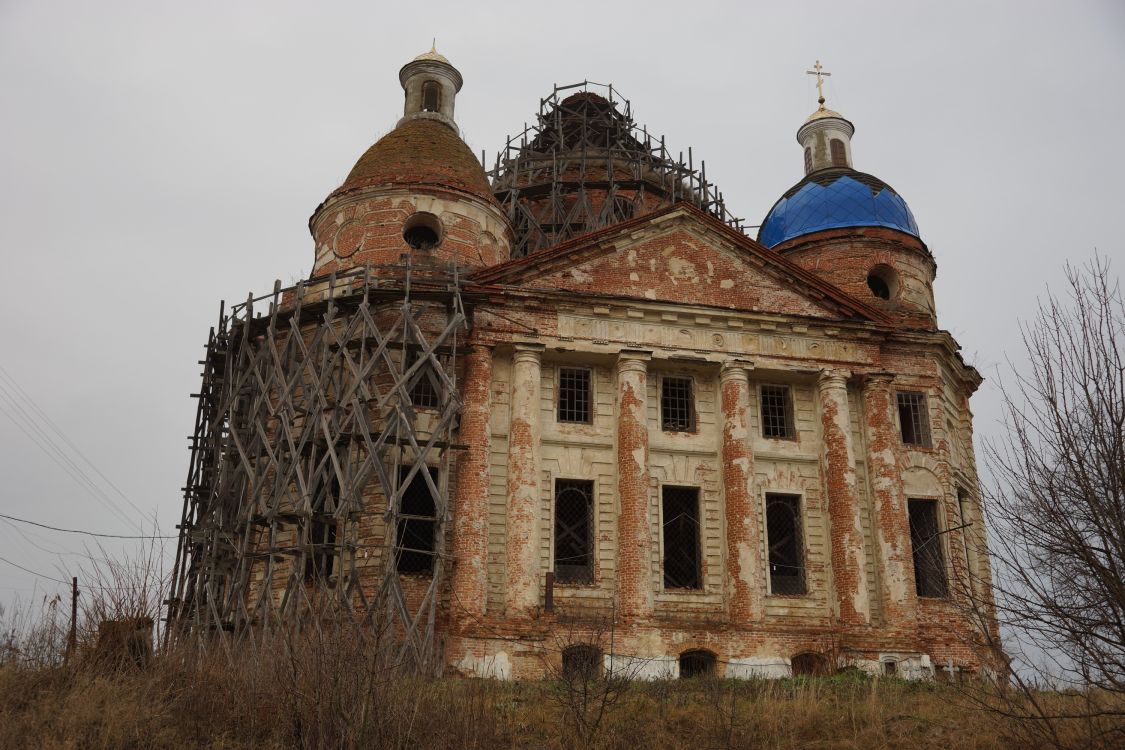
835	198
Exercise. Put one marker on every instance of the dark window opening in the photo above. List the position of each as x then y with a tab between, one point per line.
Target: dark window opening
808	160
839	153
574	394
581	661
925	542
697	663
890	668
914	419
878	286
574	548
321	557
681	538
431	96
677	408
421	237
810	664
777	412
416	523
783	533
424	391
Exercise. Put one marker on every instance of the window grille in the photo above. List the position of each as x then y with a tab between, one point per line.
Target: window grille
681	538
320	560
574	394
696	663
677	412
914	419
423	392
925	542
581	661
777	412
416	521
839	153
574	558
783	532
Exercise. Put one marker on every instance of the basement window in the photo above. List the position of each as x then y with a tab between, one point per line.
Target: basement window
777	412
581	661
574	395
783	534
681	538
574	548
810	664
925	543
914	419
697	663
417	520
321	557
677	407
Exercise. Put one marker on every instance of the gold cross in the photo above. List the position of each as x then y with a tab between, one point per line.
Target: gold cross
818	71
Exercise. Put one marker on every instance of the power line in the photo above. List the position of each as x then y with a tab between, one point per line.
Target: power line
88	533
29	570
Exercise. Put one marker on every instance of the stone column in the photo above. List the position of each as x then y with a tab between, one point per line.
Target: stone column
849	574
522	585
892	521
744	572
634	549
470	504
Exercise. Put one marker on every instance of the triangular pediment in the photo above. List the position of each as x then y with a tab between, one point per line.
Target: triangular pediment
682	256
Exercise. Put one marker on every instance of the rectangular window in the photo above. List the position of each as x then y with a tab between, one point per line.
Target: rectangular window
321	557
925	542
574	395
423	391
914	419
681	538
417	519
777	412
677	404
783	534
574	538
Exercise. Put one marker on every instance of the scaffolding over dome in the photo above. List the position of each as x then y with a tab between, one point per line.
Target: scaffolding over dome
585	165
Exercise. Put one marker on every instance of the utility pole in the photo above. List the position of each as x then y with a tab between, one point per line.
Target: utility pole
72	640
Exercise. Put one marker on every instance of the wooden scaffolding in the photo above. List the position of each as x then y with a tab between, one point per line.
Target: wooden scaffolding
307	439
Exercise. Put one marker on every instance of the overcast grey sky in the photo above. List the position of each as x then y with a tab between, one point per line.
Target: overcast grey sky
158	157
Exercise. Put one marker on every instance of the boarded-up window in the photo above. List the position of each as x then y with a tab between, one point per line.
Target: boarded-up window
839	153
677	404
574	394
574	538
777	412
416	523
783	532
431	96
321	556
681	538
914	419
929	563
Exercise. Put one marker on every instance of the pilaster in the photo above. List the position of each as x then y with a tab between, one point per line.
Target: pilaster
522	583
744	568
634	569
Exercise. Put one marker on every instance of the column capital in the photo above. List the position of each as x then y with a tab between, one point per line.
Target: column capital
527	352
877	379
833	378
735	369
480	347
633	360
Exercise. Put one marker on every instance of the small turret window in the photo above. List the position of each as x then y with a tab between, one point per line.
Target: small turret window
422	231
431	96
882	281
839	153
808	159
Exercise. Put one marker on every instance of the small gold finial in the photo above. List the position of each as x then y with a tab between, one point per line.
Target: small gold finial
818	71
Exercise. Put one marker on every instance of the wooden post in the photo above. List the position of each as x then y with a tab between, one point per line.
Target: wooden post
72	639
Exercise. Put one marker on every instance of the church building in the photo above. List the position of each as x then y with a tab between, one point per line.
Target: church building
569	414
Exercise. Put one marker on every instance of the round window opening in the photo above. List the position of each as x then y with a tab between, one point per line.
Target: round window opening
881	281
422	231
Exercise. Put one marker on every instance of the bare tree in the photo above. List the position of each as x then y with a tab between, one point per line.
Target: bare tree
1057	510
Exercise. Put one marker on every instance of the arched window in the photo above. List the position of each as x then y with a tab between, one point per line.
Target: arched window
839	153
696	663
431	96
808	159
